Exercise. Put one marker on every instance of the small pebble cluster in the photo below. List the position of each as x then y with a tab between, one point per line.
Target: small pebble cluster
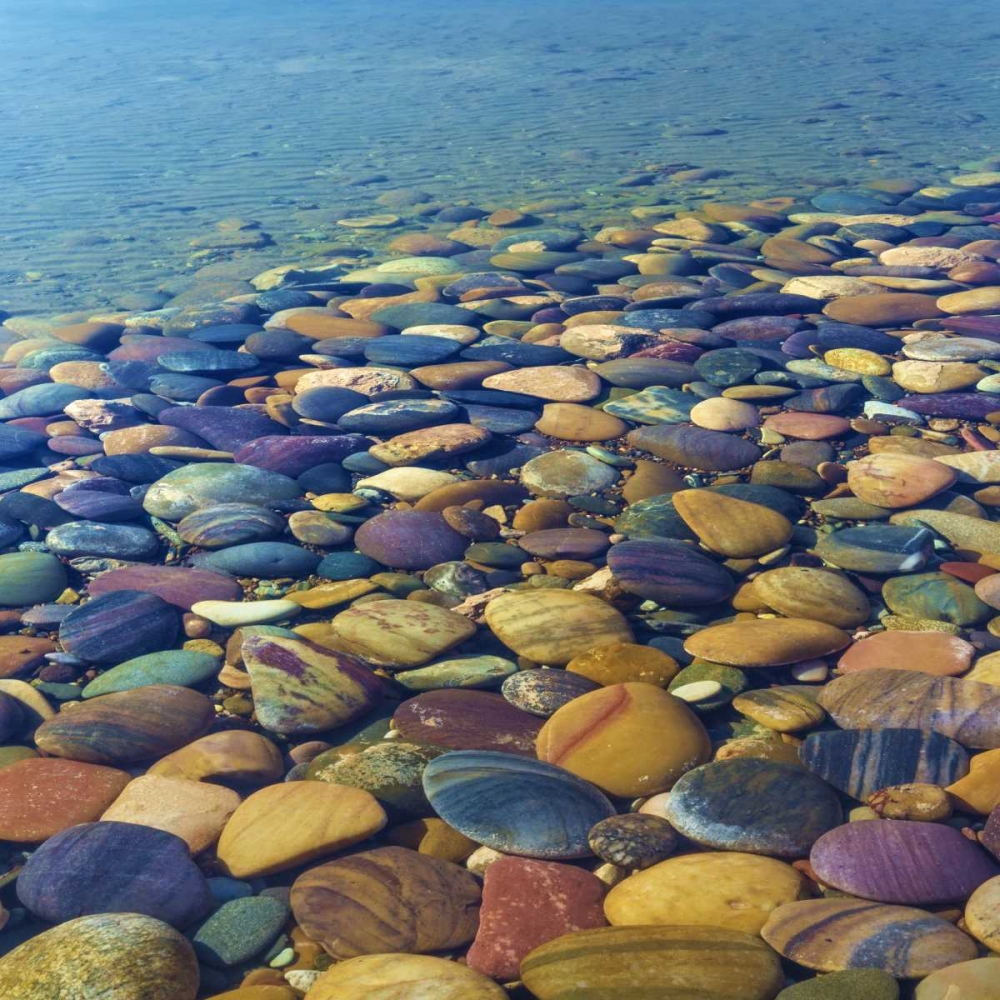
532	612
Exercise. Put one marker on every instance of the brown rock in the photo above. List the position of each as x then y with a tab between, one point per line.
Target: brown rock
560	384
928	652
888	309
896	480
733	528
573	422
21	654
766	642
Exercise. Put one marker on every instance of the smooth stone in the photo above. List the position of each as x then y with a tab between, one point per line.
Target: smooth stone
566	473
400	977
766	642
180	667
935	596
654	405
542	692
109	541
527	903
346	566
30	578
192	487
754	806
232	757
731	527
974	466
299	687
227	429
724	683
553	626
395	416
41	796
670	572
399	634
573	422
830	935
21	654
817	594
782	709
268	560
899	861
897	480
627	739
287	825
965	405
385	900
467	672
977	791
180	586
965	711
972	980
112	867
623	663
238	930
856	984
194	811
808	426
892	309
118	626
232	614
119	956
565	543
876	548
127	726
860	762
928	652
729	890
409	539
430	443
721	414
515	804
633	840
611	962
975	534
466	720
696	448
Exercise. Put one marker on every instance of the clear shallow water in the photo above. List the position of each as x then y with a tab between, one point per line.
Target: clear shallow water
130	127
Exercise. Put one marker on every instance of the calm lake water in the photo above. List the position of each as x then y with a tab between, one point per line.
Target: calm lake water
130	127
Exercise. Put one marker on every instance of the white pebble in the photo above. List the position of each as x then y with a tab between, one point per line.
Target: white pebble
233	614
697	691
811	671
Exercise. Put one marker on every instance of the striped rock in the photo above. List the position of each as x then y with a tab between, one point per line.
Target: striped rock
669	572
829	935
900	861
386	900
514	804
862	761
119	626
966	711
608	962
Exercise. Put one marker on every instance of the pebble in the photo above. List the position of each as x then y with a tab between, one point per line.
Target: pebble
398	974
238	930
766	642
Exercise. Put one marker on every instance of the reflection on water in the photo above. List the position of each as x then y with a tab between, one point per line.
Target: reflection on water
128	128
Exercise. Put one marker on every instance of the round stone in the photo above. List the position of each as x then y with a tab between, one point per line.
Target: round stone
627	739
30	578
624	662
633	840
409	539
541	692
754	806
973	980
565	474
118	626
897	480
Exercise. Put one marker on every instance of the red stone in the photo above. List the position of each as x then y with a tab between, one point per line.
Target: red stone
926	652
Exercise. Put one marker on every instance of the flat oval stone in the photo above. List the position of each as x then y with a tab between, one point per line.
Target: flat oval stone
30	578
42	795
289	824
899	861
202	484
397	634
269	560
877	548
633	840
527	903
565	543
669	572
713	889
118	626
829	935
514	804
897	480
553	626
965	711
386	900
410	539
860	762
928	652
624	662
232	756
817	594
398	975
109	541
670	961
239	929
541	692
695	447
119	955
627	739
225	524
766	642
180	586
734	528
934	596
973	980
299	687
111	867
756	806
466	720
128	726
566	473
225	428
180	667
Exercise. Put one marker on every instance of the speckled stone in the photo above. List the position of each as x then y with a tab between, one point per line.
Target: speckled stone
754	806
542	692
239	929
856	984
633	840
515	805
192	487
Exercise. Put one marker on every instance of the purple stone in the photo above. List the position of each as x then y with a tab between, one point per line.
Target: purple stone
965	405
226	429
180	586
115	627
565	543
292	455
410	539
670	572
899	861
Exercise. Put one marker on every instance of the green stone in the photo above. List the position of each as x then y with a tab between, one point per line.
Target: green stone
30	578
655	405
733	681
182	667
935	596
470	672
238	930
852	984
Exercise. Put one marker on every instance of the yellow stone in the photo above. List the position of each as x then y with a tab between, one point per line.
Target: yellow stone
854	359
622	662
982	914
717	889
986	670
766	642
341	503
435	837
327	595
628	739
574	422
553	626
979	790
283	826
973	980
783	709
916	801
823	595
232	756
403	977
733	528
975	300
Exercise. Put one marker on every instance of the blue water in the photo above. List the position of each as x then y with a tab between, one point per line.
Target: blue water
130	127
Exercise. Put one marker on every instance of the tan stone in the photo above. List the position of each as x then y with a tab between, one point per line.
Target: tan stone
430	443
230	757
807	592
766	642
562	384
733	528
573	422
935	376
896	480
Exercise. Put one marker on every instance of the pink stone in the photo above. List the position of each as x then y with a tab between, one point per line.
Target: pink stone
525	904
808	426
926	652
